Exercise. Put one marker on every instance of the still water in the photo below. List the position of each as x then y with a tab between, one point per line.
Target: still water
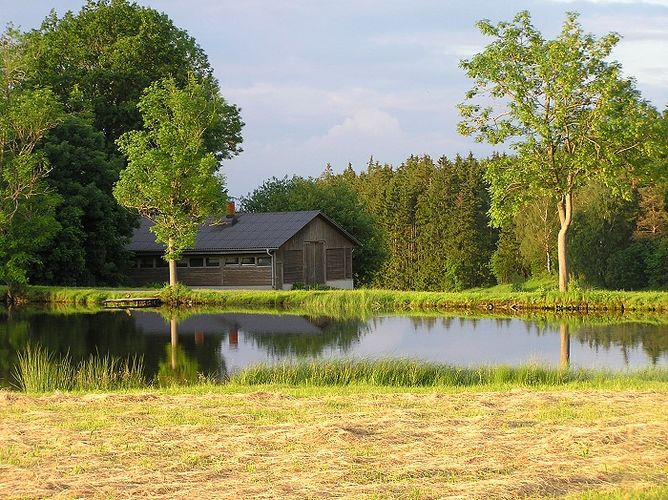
219	344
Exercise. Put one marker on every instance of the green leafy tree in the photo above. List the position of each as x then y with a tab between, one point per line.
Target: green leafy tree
26	207
603	227
98	61
103	57
89	246
568	113
507	264
171	178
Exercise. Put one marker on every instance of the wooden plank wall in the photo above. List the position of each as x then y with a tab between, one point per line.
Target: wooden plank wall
291	256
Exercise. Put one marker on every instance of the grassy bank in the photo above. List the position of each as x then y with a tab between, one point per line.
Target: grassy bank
355	302
39	371
353	441
409	373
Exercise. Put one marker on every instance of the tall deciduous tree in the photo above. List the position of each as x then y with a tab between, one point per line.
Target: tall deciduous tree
171	178
103	57
568	113
26	115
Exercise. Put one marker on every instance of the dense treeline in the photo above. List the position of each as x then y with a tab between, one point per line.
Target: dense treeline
94	65
71	88
424	225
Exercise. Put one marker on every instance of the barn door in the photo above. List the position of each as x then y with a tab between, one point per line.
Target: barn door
314	262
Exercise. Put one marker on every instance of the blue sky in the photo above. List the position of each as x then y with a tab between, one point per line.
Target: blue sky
339	81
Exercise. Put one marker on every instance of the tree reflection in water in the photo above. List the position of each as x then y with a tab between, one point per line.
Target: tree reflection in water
301	336
565	342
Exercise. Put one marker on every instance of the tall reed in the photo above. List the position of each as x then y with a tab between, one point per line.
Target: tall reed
412	373
38	370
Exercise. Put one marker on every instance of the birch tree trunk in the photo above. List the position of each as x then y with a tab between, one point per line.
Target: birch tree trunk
565	209
172	265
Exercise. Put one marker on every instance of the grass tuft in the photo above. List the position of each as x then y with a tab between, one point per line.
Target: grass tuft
411	373
38	370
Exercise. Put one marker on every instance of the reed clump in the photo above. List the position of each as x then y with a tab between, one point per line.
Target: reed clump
413	373
38	370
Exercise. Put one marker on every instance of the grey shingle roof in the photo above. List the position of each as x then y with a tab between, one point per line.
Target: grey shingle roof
251	231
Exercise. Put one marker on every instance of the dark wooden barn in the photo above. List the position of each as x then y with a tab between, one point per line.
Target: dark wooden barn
253	250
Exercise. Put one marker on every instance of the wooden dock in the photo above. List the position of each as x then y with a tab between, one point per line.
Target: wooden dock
133	302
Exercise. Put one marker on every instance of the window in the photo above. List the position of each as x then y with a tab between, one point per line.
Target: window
160	262
196	261
264	261
145	262
182	263
213	262
247	261
231	261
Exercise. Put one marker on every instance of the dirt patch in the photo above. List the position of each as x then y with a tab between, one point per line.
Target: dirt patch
275	444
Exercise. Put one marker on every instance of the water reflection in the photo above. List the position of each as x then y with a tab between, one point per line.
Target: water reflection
178	348
565	345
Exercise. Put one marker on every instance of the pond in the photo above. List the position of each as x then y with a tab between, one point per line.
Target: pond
218	344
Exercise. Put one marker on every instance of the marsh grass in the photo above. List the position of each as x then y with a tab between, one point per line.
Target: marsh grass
352	303
38	370
412	373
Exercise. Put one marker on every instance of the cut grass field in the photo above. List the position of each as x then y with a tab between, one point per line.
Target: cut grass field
356	441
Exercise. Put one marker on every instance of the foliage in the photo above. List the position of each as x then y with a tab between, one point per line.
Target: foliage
507	264
433	220
657	264
89	246
171	175
571	115
26	206
103	57
98	61
601	229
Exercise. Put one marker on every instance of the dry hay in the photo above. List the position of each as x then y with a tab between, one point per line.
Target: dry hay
268	445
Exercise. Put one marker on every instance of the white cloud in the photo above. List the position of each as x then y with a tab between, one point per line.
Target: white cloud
366	122
645	60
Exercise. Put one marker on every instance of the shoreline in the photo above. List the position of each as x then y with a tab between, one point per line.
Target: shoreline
368	300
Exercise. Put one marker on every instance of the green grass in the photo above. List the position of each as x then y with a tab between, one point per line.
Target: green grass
40	371
534	295
648	493
410	373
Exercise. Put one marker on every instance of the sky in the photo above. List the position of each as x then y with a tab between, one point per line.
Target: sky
340	81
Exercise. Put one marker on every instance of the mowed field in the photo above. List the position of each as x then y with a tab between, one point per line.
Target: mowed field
357	442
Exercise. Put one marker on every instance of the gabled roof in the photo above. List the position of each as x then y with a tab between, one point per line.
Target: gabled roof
248	231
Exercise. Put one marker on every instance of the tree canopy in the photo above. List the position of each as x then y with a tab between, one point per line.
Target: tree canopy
26	207
171	177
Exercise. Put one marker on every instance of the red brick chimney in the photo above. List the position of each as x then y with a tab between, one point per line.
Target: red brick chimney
231	210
